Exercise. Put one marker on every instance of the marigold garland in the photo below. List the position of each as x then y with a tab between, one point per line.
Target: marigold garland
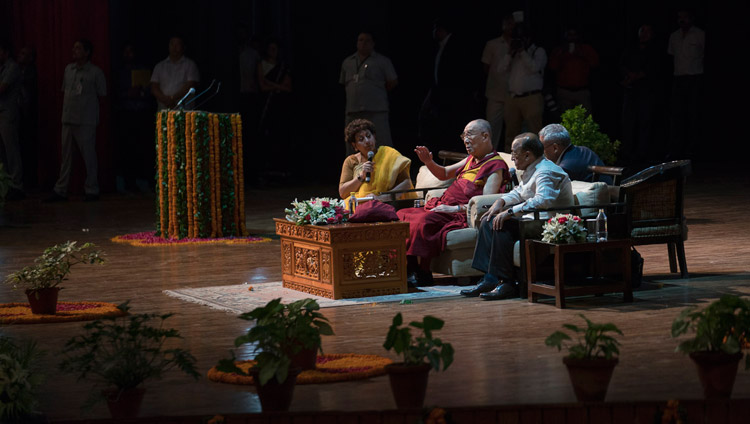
20	313
329	368
199	175
150	238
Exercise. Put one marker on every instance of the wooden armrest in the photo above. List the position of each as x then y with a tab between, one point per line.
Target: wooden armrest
453	156
607	170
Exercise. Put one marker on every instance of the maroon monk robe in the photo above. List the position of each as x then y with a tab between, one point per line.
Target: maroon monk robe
427	229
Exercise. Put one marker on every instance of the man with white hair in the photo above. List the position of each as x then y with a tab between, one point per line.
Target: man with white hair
575	160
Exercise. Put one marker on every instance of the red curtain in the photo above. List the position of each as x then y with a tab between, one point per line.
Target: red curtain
51	27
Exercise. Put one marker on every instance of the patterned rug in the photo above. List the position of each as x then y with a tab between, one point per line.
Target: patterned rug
329	369
241	298
149	238
20	313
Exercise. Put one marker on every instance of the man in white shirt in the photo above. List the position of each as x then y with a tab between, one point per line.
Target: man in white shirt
174	76
496	61
526	79
543	185
367	77
687	46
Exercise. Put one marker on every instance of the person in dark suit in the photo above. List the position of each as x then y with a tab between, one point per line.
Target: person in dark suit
450	102
575	160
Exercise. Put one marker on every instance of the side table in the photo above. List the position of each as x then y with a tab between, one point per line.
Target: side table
606	266
344	260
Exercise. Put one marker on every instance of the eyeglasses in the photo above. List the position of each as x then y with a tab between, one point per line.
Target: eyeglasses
467	134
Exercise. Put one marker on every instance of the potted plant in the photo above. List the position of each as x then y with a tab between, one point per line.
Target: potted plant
584	131
121	353
284	337
19	380
591	359
721	331
420	354
42	280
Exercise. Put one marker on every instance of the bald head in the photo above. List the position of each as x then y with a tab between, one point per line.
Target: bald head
477	138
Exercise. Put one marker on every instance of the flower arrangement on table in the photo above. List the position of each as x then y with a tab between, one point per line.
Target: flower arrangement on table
564	228
318	210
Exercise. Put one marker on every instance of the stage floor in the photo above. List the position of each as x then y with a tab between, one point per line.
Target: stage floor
500	354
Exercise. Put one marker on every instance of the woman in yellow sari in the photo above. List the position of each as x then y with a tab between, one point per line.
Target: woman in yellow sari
388	170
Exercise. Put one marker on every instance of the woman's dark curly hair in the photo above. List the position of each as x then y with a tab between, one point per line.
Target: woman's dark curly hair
357	125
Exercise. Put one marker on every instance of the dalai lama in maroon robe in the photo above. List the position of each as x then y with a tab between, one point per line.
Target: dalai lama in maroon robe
482	172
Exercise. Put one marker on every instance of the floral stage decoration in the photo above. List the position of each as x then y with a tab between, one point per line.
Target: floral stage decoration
330	368
149	238
564	228
199	184
20	313
317	211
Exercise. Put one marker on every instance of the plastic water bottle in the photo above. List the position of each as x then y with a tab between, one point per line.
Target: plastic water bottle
601	226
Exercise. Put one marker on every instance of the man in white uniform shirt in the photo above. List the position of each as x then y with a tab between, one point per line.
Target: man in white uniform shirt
367	77
525	83
687	46
174	76
496	61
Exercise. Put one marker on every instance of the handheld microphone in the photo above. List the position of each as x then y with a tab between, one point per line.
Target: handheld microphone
190	92
370	155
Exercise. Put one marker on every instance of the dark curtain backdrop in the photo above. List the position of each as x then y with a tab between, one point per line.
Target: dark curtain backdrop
51	27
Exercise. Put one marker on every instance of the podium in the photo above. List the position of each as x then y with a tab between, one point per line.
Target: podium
199	175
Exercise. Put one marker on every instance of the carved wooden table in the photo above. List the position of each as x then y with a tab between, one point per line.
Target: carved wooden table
606	266
344	260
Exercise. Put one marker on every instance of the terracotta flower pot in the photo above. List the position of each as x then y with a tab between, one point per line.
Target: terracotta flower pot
275	396
305	359
590	377
125	403
717	371
43	301
408	384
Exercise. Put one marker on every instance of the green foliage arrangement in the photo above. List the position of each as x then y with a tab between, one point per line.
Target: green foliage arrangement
126	351
421	349
585	132
596	343
19	379
723	326
53	266
280	331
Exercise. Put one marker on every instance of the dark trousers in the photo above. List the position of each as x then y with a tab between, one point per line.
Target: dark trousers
493	253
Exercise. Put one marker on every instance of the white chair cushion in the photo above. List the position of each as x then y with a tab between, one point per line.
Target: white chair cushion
425	179
590	194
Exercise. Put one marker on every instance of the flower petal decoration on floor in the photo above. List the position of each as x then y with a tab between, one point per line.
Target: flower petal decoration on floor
149	238
20	313
330	368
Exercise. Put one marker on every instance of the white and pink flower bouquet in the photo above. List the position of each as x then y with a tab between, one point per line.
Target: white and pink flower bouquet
317	211
564	228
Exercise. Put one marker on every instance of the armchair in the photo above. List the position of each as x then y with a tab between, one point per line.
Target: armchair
655	203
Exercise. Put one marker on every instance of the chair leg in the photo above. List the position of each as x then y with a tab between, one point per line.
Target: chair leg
681	258
672	259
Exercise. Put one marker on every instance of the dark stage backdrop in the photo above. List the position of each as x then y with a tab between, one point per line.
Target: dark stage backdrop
316	36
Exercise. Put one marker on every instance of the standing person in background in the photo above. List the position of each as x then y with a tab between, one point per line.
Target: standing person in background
275	82
174	76
10	88
572	64
83	85
28	119
687	46
368	77
496	61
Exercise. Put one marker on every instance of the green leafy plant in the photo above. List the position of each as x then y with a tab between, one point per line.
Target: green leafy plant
53	266
722	326
19	379
595	343
420	349
585	132
126	351
280	331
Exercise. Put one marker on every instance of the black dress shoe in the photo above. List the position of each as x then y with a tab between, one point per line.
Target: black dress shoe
482	287
420	278
502	291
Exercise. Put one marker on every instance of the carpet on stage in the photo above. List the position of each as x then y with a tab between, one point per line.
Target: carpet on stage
241	298
329	368
149	238
20	313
